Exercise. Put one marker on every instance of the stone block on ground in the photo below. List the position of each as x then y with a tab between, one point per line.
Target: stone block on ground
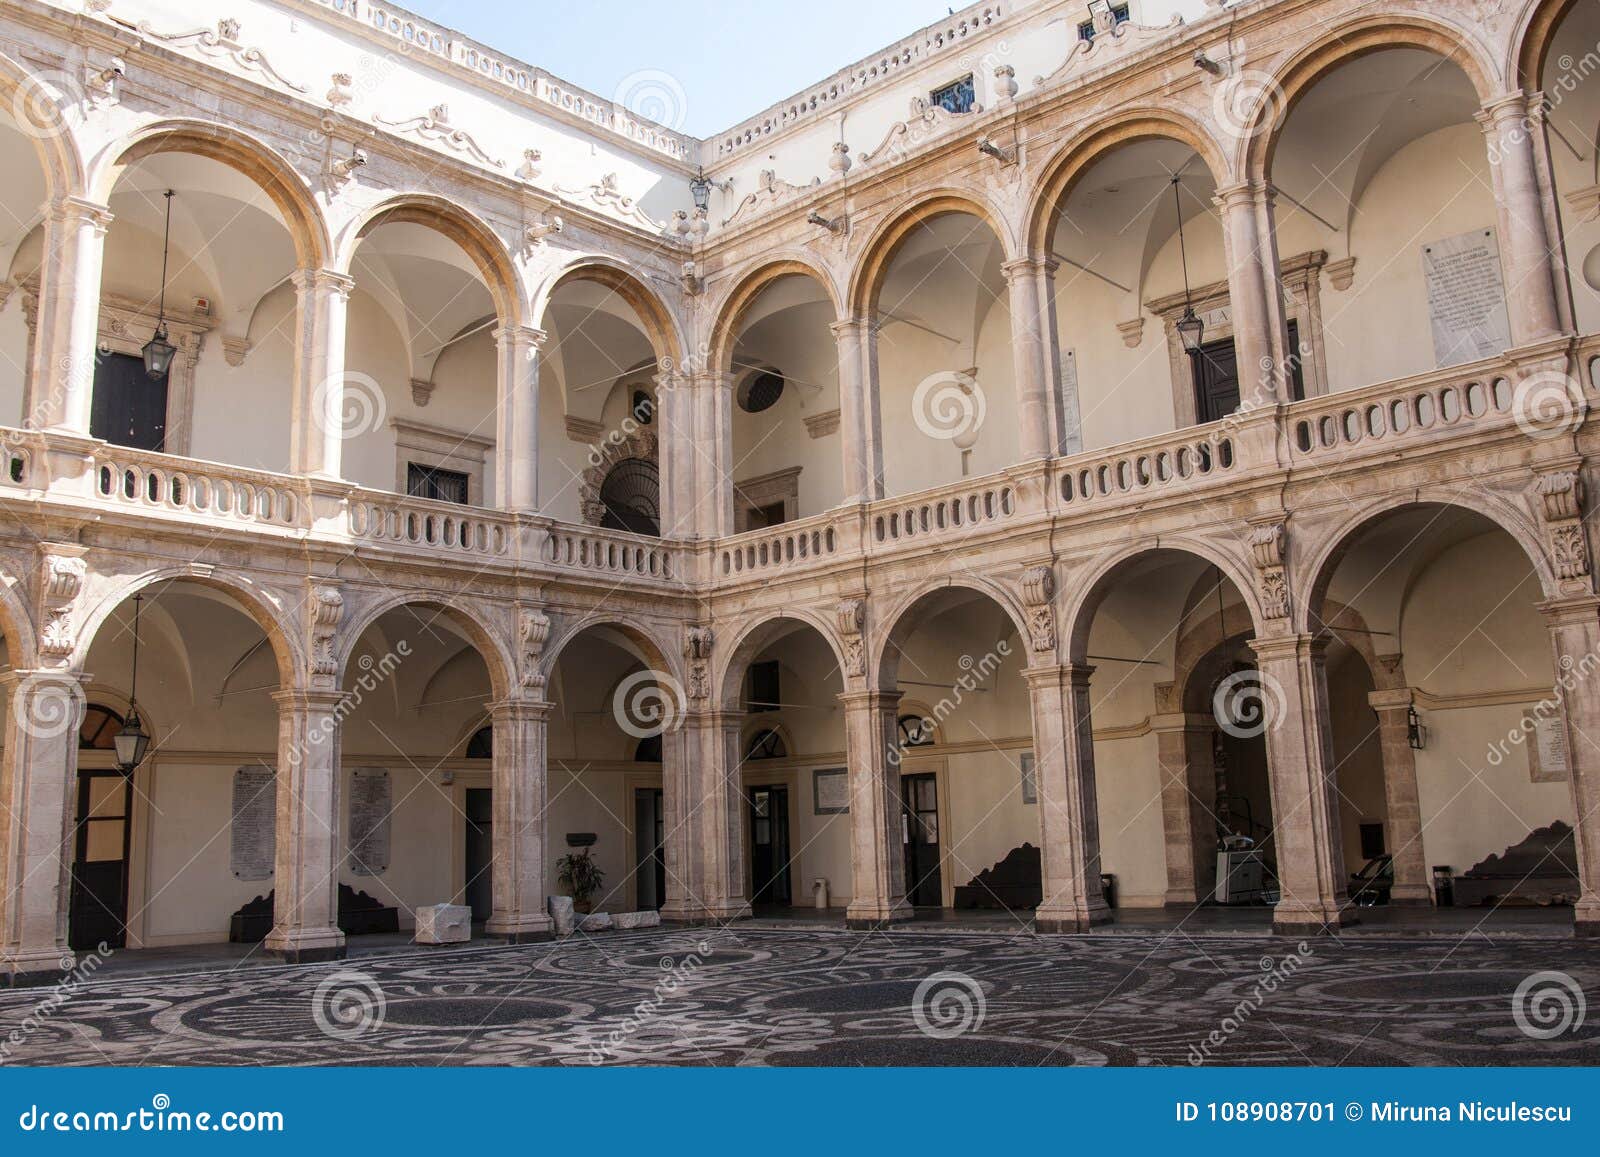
595	922
444	924
566	921
627	920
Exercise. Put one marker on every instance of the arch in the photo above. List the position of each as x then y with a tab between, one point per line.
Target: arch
1342	44
57	151
903	621
728	314
1093	587
658	657
239	151
878	254
628	283
1530	45
755	635
17	625
476	239
1082	152
462	615
264	607
1320	568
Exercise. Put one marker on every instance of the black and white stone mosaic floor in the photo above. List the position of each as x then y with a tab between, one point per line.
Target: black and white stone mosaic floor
776	997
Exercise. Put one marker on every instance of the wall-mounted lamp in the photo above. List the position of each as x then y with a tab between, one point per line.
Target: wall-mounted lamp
700	189
1416	734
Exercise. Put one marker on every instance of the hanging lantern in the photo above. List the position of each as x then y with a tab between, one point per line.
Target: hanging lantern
158	351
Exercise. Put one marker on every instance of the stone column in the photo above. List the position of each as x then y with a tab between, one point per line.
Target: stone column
706	821
1401	802
319	420
520	783
1039	413
1305	816
38	785
1575	638
1252	287
1069	816
860	425
517	428
60	387
877	846
676	418
713	454
1524	235
310	849
1188	805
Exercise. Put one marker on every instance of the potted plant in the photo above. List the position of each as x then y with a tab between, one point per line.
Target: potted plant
582	876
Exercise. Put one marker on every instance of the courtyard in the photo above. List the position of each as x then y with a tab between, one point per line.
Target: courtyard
769	996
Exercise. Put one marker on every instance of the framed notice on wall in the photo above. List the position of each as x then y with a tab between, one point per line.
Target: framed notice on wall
370	806
1466	298
1030	781
1548	758
253	834
830	791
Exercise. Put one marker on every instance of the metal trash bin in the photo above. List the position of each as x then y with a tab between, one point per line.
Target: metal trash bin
1444	886
1108	889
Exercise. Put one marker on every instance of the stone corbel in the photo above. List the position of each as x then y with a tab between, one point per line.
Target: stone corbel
697	642
61	576
421	392
1038	594
533	632
235	350
1562	495
1341	274
1132	332
327	611
852	627
1268	550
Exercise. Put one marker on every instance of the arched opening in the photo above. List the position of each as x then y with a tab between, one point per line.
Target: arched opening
1381	168
784	678
600	420
25	111
1480	780
1125	279
421	365
1567	75
784	369
969	798
945	363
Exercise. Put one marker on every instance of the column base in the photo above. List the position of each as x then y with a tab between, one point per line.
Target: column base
33	969
870	915
1294	919
513	929
1070	920
306	945
1411	896
706	915
1586	920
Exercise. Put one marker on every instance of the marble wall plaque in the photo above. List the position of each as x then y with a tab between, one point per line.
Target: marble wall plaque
1548	759
830	791
371	802
253	842
1466	298
1030	780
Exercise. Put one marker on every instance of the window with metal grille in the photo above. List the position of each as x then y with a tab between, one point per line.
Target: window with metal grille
766	744
435	483
760	392
631	495
1119	13
958	96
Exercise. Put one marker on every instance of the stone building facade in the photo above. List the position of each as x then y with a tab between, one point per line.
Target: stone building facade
829	500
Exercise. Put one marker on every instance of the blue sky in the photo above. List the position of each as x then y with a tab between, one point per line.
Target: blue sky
708	65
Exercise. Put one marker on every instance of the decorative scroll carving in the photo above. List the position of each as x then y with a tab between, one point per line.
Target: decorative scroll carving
926	120
327	609
1038	591
1110	39
60	583
533	632
223	43
852	625
1562	495
606	193
697	642
771	189
1268	542
435	127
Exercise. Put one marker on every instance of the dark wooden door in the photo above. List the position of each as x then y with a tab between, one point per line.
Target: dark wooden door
920	832
480	851
129	407
769	845
650	834
1216	376
99	905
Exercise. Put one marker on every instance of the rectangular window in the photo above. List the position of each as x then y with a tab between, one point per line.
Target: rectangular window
1119	13
435	483
761	690
958	97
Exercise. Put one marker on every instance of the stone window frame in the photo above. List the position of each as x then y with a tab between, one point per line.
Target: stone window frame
1301	277
765	490
125	325
442	448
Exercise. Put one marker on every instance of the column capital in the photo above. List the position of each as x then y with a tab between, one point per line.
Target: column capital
1028	264
1066	674
872	699
1243	193
525	335
1510	106
41	680
309	699
1580	610
519	709
322	280
850	327
1289	648
1397	699
65	210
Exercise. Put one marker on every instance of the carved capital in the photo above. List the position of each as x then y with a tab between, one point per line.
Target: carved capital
1268	550
533	632
327	611
1563	494
1561	501
697	643
852	615
61	576
1038	590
